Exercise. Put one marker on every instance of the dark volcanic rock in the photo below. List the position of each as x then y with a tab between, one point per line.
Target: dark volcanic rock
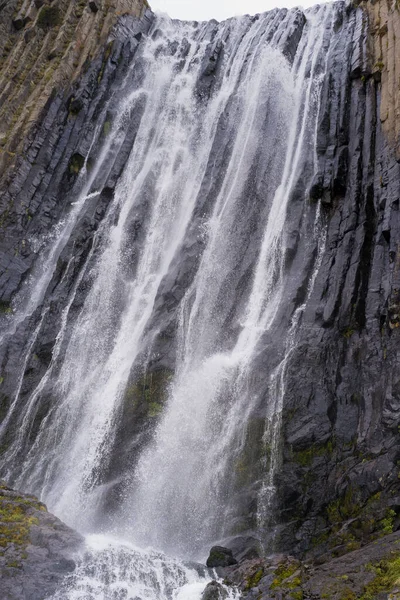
371	573
36	549
214	591
220	557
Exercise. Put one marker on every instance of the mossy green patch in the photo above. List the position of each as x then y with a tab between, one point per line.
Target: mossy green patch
284	576
305	457
76	163
254	580
344	508
348	333
155	409
386	524
387	576
106	128
5	308
16	519
49	16
255	455
149	394
348	594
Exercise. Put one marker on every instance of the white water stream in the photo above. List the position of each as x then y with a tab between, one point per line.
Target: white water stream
176	498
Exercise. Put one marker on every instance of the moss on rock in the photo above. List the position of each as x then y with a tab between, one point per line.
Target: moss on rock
49	16
17	515
148	394
76	163
387	577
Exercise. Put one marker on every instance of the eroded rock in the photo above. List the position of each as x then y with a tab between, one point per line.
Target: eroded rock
36	549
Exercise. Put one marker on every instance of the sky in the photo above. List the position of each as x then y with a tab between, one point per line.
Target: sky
200	10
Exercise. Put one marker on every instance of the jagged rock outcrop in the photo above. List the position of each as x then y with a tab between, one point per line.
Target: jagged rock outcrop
36	549
220	557
368	574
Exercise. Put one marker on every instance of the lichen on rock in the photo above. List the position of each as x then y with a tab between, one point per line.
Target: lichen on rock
36	549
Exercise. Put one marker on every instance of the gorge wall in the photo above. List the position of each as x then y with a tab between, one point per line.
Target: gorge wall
315	468
345	461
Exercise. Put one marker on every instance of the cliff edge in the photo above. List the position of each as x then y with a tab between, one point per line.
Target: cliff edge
44	47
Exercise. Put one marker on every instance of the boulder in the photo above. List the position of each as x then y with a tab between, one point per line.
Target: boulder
220	557
36	549
214	591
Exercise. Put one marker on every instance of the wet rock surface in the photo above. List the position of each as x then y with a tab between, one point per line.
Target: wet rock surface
371	573
214	591
220	557
338	483
36	549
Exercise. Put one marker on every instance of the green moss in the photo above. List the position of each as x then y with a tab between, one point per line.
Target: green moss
320	539
155	409
148	393
254	580
348	332
298	595
344	508
16	519
305	457
386	524
348	594
283	576
387	576
76	163
49	16
255	455
14	563
5	308
106	128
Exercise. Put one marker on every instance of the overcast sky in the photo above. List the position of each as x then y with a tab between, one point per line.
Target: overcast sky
220	9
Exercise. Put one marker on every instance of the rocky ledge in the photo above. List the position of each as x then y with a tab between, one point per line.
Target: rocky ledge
370	573
36	548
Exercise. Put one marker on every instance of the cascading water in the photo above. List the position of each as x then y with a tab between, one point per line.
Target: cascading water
228	125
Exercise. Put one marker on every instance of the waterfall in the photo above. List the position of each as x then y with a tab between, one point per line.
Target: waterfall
228	126
184	472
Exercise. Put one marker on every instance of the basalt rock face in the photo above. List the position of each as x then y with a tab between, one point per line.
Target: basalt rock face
42	178
45	47
338	486
60	112
338	481
36	548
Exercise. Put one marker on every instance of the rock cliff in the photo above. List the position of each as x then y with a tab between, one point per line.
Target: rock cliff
384	23
44	48
339	483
